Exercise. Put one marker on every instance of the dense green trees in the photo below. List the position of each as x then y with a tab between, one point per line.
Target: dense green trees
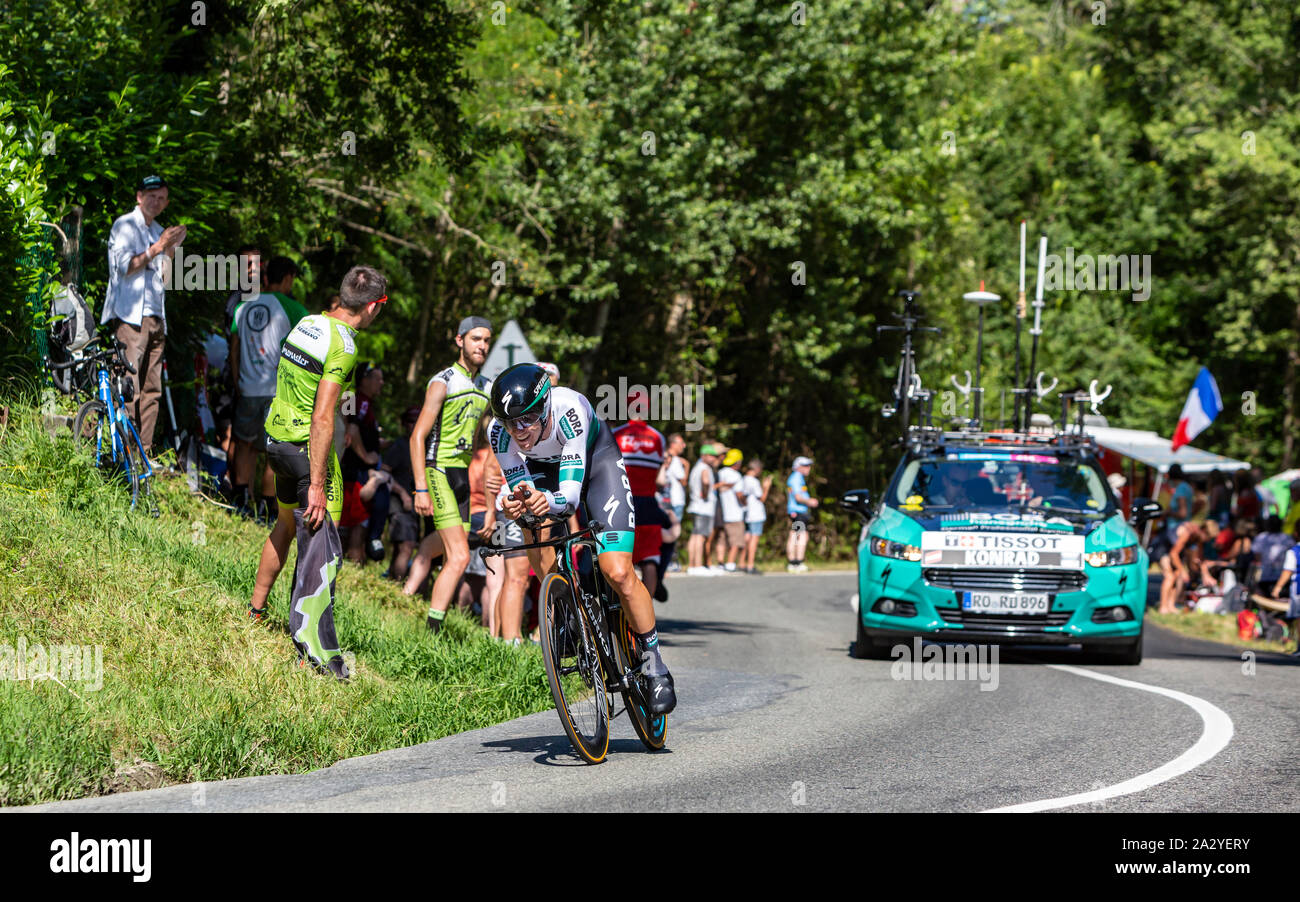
722	194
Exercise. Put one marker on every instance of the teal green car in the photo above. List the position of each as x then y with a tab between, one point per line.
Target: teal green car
980	539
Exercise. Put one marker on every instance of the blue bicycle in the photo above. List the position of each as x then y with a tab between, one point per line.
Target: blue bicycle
103	427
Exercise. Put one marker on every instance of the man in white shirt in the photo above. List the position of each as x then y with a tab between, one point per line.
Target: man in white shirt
672	480
702	499
731	497
134	303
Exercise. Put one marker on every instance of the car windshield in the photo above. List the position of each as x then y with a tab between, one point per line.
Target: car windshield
1001	481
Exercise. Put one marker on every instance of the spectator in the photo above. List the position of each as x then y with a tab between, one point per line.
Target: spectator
1181	501
799	505
1267	501
1271	545
403	523
299	433
672	483
1219	492
756	487
1246	504
1174	556
250	256
700	506
731	494
135	304
259	328
454	402
1289	581
361	456
553	371
642	447
1292	519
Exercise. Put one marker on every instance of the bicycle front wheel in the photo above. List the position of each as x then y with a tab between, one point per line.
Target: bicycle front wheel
651	728
573	669
133	464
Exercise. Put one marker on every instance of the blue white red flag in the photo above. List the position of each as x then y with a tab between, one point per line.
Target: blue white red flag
1203	405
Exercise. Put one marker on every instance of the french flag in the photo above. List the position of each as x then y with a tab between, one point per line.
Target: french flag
1203	405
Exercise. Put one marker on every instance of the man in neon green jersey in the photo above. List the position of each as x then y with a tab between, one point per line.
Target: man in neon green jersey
444	434
317	361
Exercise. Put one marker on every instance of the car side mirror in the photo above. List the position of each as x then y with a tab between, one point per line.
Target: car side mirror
1144	509
857	501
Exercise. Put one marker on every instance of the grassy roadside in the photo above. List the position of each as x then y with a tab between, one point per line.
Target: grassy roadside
1216	628
190	689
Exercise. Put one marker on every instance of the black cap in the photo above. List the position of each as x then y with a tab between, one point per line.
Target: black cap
150	182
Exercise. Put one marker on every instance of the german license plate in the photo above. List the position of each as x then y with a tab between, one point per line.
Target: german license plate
1003	603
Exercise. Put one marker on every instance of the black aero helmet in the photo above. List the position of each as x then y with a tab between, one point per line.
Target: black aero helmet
522	390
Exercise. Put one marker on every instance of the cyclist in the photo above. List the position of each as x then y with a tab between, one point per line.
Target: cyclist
317	360
453	406
552	442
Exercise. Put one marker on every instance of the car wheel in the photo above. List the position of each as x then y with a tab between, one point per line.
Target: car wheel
1125	655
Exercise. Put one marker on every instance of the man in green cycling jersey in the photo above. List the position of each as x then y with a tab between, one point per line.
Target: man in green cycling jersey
454	402
317	360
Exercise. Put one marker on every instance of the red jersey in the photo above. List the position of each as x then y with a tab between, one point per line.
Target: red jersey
643	452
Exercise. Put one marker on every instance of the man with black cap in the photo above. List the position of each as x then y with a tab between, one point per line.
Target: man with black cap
454	402
134	302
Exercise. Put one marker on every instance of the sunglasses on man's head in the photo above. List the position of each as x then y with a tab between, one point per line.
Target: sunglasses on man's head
382	300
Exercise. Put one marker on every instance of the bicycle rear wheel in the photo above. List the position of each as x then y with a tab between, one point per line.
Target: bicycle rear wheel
569	649
90	430
652	729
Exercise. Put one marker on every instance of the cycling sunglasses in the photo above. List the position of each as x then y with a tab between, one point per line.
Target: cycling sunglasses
527	421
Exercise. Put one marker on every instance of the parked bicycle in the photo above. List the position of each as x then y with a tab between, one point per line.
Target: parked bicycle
103	426
588	645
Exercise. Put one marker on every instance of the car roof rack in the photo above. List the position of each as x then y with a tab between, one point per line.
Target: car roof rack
923	440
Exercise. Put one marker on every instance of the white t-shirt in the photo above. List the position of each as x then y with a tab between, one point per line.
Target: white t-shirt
755	512
676	473
701	501
732	510
1290	563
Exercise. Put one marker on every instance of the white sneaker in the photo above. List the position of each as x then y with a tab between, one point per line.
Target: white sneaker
791	568
674	567
729	567
698	571
716	568
803	568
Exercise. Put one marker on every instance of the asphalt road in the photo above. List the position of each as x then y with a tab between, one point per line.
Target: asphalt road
774	715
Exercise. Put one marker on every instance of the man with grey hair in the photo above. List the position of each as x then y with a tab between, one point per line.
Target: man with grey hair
317	361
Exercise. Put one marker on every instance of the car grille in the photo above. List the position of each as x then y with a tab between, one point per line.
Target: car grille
1004	622
1048	581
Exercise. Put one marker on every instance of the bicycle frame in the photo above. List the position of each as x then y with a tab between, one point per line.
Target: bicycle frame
120	427
599	608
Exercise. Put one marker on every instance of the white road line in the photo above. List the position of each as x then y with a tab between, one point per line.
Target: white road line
1214	738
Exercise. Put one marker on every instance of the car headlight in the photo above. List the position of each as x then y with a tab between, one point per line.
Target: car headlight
1112	558
886	548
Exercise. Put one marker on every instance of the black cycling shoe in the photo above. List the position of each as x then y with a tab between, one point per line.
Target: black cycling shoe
663	697
661	592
